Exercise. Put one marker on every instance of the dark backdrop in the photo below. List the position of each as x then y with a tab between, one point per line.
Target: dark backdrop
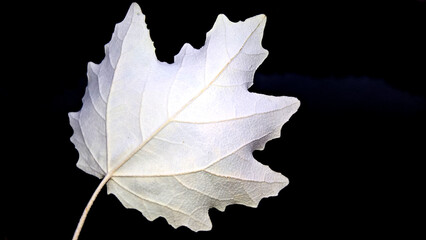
351	152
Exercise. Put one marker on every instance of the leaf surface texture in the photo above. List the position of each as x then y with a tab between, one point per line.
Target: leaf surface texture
177	139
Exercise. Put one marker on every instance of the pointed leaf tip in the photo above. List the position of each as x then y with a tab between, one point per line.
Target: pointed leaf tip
133	11
134	7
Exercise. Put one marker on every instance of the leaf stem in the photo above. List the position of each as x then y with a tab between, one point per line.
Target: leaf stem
89	205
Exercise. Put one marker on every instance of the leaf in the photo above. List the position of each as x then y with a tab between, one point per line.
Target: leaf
174	140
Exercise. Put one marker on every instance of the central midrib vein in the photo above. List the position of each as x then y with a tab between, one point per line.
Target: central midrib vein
171	119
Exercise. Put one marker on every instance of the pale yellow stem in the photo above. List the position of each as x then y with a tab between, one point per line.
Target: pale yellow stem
89	205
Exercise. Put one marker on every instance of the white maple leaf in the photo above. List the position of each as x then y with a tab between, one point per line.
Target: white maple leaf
174	140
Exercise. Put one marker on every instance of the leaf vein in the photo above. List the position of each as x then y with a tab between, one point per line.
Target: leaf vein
94	106
143	198
108	99
198	170
236	118
88	147
197	191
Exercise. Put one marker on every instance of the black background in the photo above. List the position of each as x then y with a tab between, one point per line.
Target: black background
351	152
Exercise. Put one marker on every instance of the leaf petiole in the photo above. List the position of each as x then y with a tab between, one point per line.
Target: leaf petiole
89	205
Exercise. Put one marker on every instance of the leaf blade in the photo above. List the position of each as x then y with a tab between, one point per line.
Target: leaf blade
175	140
